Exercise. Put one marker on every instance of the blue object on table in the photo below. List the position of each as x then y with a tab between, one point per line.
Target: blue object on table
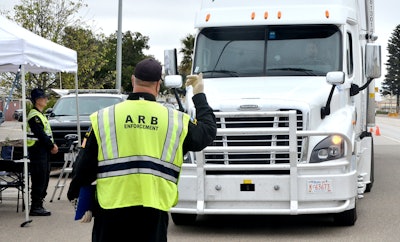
6	152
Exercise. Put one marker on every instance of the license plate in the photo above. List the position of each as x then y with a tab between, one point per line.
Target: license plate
319	186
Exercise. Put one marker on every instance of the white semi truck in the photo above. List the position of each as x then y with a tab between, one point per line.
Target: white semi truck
292	86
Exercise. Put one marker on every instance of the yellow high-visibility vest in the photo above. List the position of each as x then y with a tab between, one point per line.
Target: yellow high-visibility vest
31	139
140	154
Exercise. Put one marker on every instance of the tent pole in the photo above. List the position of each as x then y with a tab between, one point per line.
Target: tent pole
25	158
78	124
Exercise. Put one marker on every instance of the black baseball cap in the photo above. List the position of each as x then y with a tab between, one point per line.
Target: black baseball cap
37	93
148	70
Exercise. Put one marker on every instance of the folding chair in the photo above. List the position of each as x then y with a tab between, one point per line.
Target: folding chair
69	159
12	176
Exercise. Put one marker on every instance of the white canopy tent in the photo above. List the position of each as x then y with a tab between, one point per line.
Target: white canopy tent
20	48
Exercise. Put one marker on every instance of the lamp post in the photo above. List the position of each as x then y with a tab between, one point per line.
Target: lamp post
119	47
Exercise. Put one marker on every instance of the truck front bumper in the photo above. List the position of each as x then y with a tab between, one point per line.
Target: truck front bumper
316	189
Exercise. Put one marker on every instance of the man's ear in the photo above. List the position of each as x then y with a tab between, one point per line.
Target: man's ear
133	80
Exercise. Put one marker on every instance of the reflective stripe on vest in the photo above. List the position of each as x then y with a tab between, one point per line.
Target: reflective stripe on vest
167	146
139	165
110	119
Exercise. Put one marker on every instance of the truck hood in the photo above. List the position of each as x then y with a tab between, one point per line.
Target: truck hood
266	93
68	120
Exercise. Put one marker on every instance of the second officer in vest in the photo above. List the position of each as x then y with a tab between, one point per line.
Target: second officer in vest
135	151
40	146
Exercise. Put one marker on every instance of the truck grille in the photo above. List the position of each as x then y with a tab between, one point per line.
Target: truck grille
267	140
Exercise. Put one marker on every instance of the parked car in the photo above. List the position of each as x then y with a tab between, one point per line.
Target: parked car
63	118
1	117
18	114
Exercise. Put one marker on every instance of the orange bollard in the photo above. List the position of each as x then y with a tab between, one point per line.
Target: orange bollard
377	131
371	130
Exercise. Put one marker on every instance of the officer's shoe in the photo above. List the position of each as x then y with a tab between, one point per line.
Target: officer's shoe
39	211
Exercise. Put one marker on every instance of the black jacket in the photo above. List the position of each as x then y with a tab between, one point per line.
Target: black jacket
201	133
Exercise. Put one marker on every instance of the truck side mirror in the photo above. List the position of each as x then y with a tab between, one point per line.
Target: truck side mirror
335	77
173	81
49	113
170	62
372	61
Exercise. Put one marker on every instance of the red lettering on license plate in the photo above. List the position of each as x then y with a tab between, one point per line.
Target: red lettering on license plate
319	186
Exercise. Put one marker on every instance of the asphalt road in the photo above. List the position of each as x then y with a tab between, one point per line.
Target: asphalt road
378	214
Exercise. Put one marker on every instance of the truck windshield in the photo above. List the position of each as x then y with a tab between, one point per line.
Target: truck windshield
305	50
87	105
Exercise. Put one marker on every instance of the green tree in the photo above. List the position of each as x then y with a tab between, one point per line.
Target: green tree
91	55
133	45
187	51
391	83
48	18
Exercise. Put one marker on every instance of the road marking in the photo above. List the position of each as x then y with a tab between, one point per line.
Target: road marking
393	139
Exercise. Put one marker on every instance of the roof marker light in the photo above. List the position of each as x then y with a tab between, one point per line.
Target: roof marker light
253	15
208	17
266	15
279	14
327	14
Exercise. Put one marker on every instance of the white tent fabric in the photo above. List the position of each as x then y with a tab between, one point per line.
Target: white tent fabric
20	47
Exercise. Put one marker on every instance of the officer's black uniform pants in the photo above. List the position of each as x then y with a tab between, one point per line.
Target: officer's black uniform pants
40	174
130	224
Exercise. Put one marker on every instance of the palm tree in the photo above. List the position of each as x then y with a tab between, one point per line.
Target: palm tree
187	51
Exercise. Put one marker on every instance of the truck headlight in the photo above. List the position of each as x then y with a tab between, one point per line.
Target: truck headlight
330	148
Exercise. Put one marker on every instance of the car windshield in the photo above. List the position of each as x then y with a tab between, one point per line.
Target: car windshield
87	105
305	50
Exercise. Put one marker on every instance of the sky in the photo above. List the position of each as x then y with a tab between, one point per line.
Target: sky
166	23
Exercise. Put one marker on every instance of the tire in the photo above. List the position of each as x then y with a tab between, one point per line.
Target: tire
183	219
372	172
346	218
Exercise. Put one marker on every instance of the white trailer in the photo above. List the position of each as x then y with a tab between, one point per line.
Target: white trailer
291	84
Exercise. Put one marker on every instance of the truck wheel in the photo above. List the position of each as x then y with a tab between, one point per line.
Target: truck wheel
183	219
369	185
346	218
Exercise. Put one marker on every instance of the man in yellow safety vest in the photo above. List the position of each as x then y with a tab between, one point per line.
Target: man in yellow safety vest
134	151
